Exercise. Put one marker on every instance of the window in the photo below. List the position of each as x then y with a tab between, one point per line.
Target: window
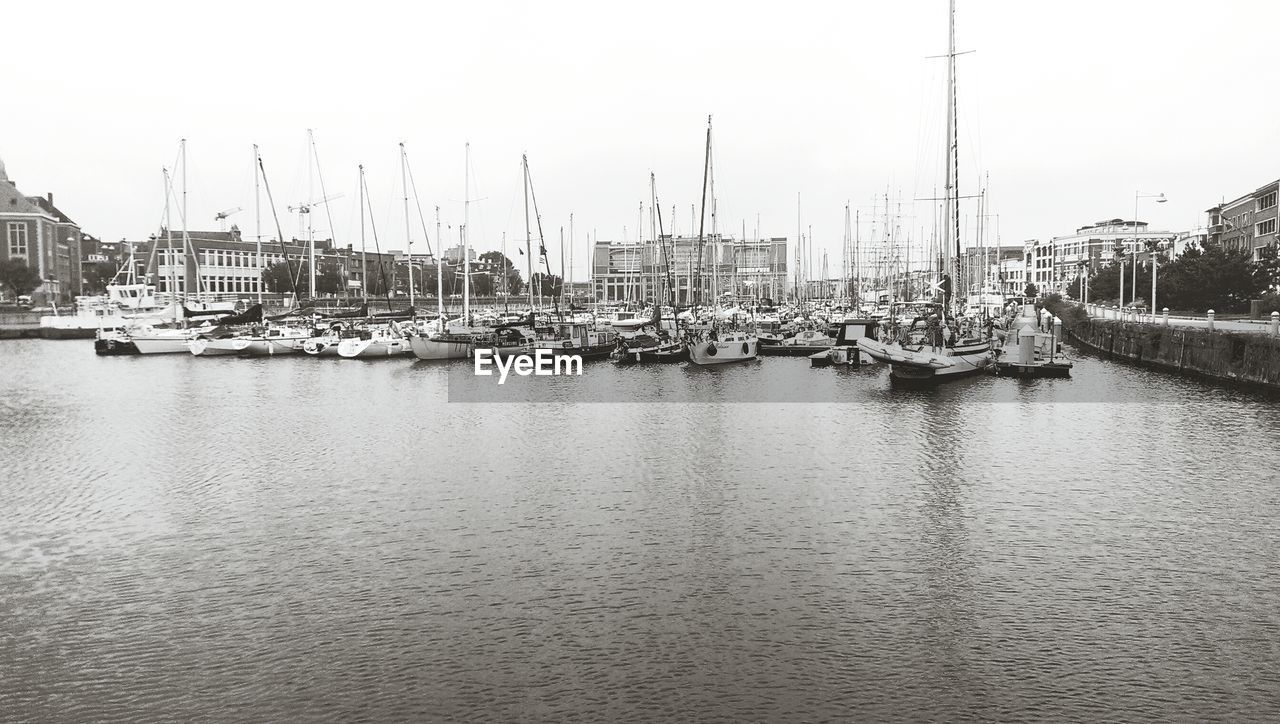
1267	201
17	238
1266	227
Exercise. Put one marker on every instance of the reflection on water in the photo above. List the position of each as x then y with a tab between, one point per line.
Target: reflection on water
330	539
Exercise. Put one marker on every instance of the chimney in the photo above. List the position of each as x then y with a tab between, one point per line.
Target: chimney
50	199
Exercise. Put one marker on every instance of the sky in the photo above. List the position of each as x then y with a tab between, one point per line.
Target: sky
1066	111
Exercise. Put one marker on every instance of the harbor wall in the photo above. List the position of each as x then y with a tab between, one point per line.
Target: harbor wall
1245	358
16	325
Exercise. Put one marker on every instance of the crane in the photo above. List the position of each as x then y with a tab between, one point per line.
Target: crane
221	217
305	206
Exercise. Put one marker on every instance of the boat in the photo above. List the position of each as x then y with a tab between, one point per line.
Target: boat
846	349
577	338
807	340
723	346
324	343
938	343
373	342
722	341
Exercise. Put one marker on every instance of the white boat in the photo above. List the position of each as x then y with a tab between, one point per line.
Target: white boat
215	346
375	342
720	347
160	340
324	344
273	341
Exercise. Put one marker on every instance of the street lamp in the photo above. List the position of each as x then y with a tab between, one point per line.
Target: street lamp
1160	199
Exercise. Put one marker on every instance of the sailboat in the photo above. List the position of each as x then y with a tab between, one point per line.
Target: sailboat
938	343
722	341
172	337
452	341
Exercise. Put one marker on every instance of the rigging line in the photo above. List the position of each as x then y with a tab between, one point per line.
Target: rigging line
279	234
320	177
373	228
418	202
542	244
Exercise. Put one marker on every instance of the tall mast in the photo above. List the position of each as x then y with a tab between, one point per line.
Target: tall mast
186	241
364	255
439	274
173	259
799	248
528	234
257	218
466	241
953	153
706	172
408	234
311	228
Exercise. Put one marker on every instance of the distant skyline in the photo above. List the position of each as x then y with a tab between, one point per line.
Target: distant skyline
1068	109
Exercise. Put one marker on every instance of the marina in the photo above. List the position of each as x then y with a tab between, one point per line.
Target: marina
863	362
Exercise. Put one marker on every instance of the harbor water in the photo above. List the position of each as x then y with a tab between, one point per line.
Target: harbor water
329	539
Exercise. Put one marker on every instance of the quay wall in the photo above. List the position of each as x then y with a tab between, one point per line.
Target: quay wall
1243	358
16	325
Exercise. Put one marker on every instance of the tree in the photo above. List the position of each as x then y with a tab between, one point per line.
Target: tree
1266	270
1031	290
279	278
547	285
97	276
17	278
499	264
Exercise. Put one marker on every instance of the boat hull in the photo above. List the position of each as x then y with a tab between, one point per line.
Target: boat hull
373	348
114	346
224	347
264	347
717	353
436	349
925	363
159	345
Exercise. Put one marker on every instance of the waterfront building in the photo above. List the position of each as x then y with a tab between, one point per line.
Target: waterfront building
38	233
223	264
630	271
977	264
1054	264
1012	273
1247	223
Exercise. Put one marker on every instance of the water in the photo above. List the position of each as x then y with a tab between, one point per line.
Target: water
285	539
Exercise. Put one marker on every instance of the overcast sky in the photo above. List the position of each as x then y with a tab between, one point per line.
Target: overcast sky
1069	108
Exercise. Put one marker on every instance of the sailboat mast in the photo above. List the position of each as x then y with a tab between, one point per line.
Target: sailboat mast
528	234
186	241
257	217
311	227
173	259
439	274
364	255
706	171
953	150
408	234
466	240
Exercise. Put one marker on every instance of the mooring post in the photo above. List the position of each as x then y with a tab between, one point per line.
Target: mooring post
1210	319
1275	324
1166	316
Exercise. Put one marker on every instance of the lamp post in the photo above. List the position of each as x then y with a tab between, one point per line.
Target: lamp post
1160	199
1120	259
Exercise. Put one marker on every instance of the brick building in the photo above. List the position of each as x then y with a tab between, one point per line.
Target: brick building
38	233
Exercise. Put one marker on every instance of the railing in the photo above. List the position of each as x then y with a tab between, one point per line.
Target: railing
1209	320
